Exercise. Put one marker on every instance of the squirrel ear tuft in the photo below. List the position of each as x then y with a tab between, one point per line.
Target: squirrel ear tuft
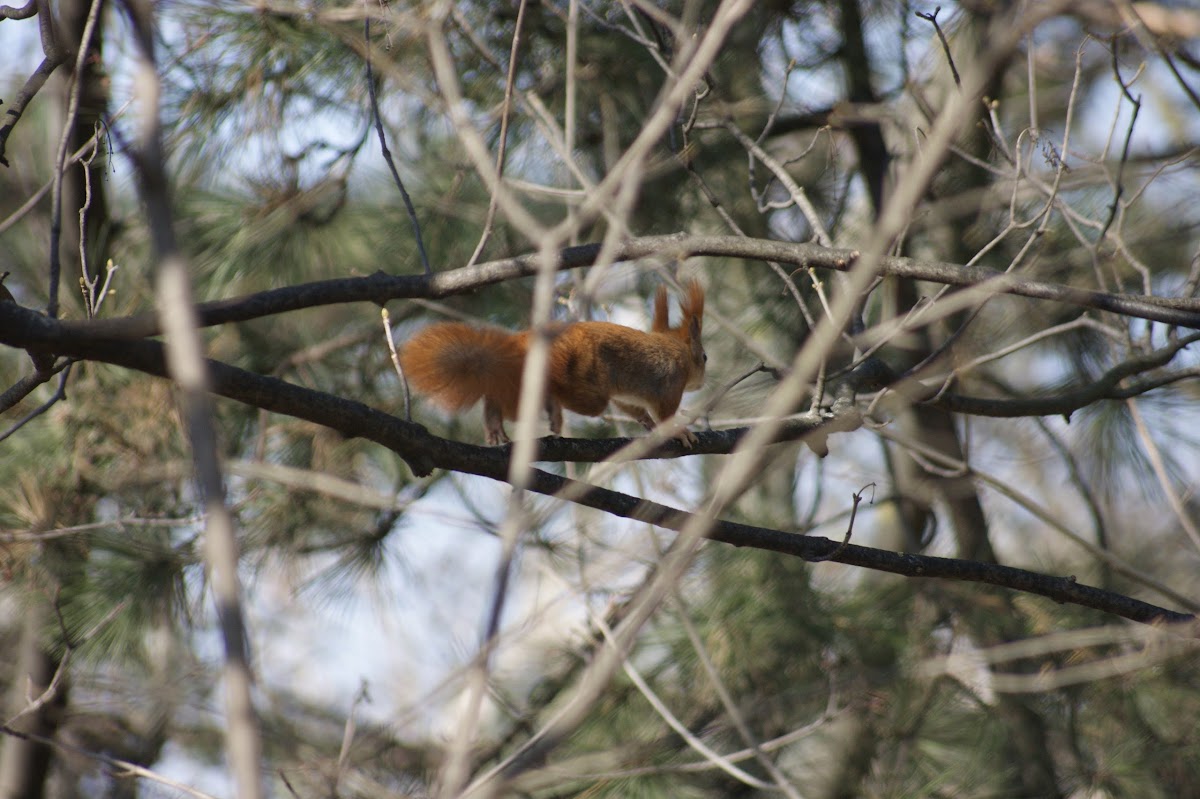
694	306
662	321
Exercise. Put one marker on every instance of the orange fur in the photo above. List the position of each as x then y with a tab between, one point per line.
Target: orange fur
645	374
591	365
456	365
662	321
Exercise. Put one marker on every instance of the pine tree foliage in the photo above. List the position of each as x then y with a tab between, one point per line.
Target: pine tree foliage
1002	424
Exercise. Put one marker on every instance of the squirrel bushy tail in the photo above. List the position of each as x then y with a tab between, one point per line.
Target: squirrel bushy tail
455	365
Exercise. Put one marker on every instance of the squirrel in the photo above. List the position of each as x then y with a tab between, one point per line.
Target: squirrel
591	364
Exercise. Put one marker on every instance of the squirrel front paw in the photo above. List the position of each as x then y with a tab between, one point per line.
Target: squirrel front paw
687	438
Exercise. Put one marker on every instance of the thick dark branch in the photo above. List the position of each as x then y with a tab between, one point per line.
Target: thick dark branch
54	54
34	84
377	288
22	327
380	287
22	389
24	12
40	334
423	452
1107	386
1060	589
39	376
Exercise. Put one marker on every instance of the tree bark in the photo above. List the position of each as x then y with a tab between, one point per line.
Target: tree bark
25	764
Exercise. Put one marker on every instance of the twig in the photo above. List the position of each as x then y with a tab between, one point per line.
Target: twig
1136	103
664	712
1086	494
934	457
71	645
387	331
1158	464
60	158
119	766
1130	16
348	736
794	190
1113	384
387	154
502	146
720	393
857	498
447	76
54	55
782	782
288	784
18	391
91	299
37	196
932	19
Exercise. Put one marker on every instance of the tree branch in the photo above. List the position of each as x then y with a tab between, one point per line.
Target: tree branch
424	452
1107	386
55	54
95	339
24	12
381	287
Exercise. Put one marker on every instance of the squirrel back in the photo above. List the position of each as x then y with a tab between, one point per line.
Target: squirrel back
644	374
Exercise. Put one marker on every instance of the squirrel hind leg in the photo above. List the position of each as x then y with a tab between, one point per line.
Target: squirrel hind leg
554	411
638	413
493	423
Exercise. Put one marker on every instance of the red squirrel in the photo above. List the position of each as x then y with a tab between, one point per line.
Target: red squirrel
591	364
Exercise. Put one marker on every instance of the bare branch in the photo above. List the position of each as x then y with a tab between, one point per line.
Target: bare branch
24	387
931	18
425	452
24	12
119	766
372	90
380	287
182	357
54	54
60	161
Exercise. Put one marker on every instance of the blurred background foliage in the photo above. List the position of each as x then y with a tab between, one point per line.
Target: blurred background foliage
814	670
